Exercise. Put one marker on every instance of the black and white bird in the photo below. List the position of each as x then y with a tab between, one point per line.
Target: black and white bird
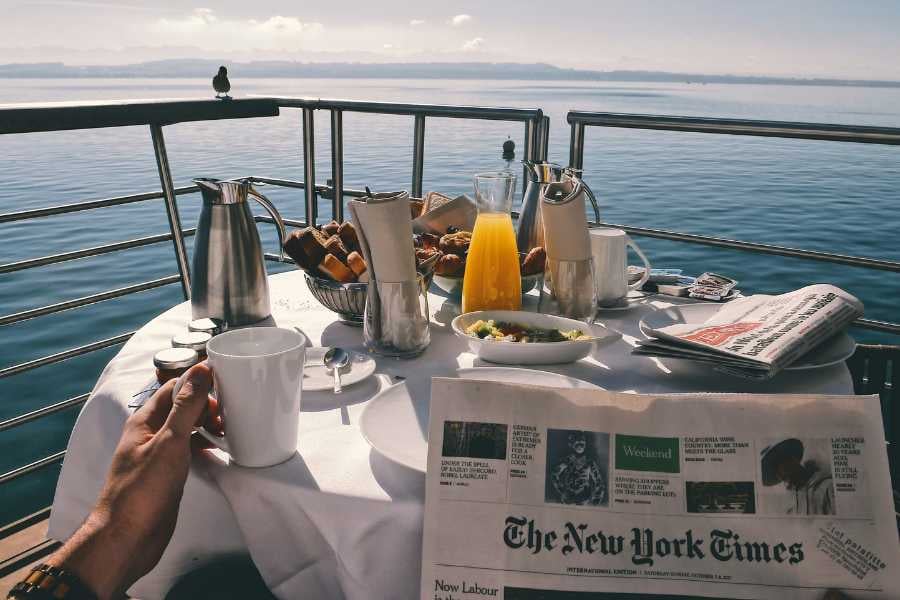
221	83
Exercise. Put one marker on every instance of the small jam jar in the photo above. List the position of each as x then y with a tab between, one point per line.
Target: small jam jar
171	363
195	340
207	325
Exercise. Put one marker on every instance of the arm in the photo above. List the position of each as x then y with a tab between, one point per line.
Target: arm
131	525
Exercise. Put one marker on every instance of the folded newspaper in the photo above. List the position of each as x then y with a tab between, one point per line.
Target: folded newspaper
759	335
572	494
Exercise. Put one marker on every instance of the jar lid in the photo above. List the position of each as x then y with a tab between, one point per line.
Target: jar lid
207	325
176	358
195	340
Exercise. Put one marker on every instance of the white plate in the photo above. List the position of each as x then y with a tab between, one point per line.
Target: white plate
317	378
832	351
519	353
396	425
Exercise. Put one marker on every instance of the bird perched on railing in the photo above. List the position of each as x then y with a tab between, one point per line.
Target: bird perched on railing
221	84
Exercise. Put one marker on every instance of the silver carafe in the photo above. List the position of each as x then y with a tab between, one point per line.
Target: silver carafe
228	281
530	227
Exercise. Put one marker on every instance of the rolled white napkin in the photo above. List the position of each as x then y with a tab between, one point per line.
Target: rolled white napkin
395	323
565	221
384	227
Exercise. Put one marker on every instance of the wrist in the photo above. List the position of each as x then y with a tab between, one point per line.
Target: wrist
92	555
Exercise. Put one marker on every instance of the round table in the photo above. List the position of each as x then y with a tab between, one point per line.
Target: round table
329	505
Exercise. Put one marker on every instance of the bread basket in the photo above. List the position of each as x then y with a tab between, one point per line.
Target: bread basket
348	300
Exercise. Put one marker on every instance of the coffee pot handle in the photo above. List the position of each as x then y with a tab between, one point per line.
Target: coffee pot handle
276	216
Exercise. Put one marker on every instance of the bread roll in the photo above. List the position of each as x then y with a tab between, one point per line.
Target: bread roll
335	269
307	247
335	246
357	263
347	233
331	229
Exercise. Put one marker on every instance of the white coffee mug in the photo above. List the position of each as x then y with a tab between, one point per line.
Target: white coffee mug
609	249
257	375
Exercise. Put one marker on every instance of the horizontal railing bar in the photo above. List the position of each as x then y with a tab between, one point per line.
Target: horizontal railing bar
286	221
26	469
428	110
53	259
321	189
883	326
86	300
279	259
782	129
34	213
64	355
853	261
24	523
43	412
28	557
27	118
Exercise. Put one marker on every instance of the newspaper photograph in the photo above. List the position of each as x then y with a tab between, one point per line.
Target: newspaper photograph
759	335
568	494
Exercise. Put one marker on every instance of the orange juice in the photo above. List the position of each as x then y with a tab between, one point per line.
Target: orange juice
492	280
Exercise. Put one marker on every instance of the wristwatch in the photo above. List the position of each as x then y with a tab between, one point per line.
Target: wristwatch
51	583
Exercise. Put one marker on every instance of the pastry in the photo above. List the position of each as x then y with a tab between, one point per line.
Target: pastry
347	233
307	247
335	269
335	246
456	243
428	241
331	229
534	261
449	265
424	254
357	263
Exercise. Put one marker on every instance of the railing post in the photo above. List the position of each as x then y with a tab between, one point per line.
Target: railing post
168	189
576	146
530	147
309	166
337	166
418	156
544	139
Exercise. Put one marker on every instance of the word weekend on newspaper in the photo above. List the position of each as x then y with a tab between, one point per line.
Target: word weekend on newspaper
548	494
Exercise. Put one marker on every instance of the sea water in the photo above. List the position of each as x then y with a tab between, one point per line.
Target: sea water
828	196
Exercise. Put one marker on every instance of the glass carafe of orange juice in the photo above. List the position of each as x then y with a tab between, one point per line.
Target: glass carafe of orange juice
492	280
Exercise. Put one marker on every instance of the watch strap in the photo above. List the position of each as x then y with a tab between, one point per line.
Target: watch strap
51	583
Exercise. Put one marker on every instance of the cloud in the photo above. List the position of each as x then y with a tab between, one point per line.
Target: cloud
204	28
460	19
285	26
199	19
473	44
416	22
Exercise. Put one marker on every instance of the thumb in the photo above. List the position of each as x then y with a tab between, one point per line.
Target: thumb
190	400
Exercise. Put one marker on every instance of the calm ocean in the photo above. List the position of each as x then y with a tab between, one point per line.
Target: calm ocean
816	195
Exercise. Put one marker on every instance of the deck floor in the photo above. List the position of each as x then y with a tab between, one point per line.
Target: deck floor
18	545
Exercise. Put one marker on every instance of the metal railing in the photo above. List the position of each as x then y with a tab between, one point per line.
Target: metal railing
579	120
156	115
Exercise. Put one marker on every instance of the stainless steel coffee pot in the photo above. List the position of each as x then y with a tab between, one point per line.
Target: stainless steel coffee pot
530	228
228	281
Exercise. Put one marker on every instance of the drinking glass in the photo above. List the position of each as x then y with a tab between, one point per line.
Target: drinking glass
492	279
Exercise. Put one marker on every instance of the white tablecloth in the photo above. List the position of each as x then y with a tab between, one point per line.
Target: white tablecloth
338	518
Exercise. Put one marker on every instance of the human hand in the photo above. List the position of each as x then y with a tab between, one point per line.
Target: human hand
128	530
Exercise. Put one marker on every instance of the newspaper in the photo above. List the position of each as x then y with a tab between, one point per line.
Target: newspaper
757	336
538	493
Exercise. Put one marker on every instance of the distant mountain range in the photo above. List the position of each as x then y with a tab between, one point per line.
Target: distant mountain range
437	70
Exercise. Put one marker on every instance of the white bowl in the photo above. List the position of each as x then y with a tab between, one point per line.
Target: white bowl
525	353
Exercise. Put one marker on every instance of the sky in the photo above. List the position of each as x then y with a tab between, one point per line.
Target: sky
806	38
